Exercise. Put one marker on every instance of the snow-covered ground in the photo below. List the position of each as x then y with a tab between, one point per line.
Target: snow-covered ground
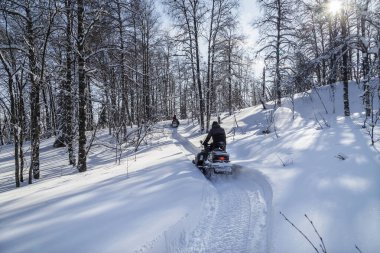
157	201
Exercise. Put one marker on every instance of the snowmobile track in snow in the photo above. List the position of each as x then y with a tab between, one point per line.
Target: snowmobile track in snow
233	221
234	214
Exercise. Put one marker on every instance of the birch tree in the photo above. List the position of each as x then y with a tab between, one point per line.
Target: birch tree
34	46
221	18
188	16
13	110
65	136
68	83
346	102
82	158
276	38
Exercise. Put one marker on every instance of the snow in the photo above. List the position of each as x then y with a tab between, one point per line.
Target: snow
157	201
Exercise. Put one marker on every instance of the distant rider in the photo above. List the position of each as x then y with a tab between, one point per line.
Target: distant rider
175	120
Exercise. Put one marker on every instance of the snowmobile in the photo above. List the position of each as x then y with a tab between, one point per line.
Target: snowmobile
175	124
213	161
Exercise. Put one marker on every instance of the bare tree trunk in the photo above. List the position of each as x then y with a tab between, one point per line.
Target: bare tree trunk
82	159
68	106
324	68
34	101
195	6
316	49
262	97
345	65
125	107
89	107
47	114
1	135
378	67
146	81
21	120
229	78
278	44
15	128
134	100
365	62
333	64
208	78
192	63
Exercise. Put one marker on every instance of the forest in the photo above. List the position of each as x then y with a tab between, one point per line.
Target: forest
69	68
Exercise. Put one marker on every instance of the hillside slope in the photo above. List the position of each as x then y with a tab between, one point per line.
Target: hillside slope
157	201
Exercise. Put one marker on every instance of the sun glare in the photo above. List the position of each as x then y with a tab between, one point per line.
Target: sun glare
334	6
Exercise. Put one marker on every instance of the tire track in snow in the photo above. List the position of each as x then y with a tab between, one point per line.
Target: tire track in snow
234	215
231	225
233	219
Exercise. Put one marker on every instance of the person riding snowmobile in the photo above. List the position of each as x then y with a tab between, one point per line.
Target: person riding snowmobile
175	121
218	136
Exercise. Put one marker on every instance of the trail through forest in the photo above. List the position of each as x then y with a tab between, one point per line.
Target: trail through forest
234	216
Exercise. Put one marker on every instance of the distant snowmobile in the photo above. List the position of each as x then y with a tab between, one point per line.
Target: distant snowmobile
175	123
215	161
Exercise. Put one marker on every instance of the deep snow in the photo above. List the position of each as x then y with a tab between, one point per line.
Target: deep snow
161	203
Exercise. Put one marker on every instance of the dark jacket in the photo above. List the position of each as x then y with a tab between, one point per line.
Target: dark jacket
217	133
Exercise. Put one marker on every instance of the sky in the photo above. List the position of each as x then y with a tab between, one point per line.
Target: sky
248	11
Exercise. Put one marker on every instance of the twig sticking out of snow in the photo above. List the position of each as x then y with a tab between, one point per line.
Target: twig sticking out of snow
356	247
341	156
322	245
319	123
283	163
307	238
